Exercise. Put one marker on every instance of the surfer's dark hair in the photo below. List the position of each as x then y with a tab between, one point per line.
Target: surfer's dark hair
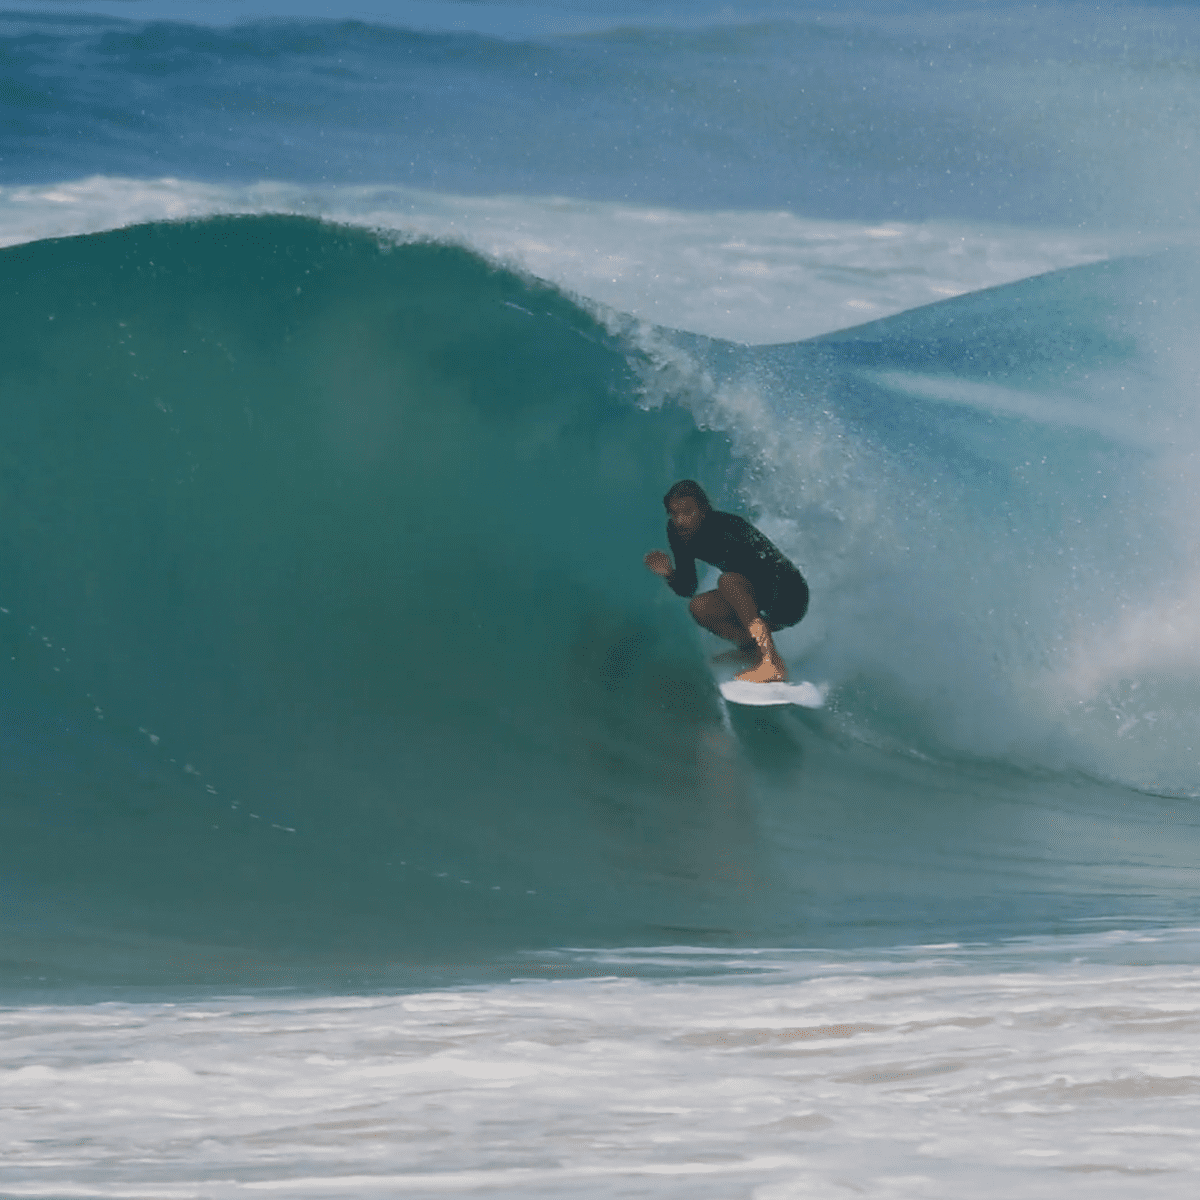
687	487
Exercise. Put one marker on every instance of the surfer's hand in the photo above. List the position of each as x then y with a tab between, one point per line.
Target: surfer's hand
658	562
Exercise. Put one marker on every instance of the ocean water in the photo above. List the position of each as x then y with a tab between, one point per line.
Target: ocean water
370	823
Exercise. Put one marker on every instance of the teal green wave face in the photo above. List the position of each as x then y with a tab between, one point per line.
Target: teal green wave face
327	651
353	531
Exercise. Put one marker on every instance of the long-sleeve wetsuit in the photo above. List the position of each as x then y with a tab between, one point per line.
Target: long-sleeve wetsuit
731	543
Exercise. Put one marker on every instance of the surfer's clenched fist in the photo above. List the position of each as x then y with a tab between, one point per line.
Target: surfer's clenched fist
659	563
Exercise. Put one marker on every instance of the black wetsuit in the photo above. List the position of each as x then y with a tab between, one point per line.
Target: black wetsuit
731	543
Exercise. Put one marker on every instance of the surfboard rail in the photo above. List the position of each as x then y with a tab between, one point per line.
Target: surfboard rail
803	693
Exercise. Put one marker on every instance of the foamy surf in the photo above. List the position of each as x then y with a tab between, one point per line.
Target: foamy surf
1018	1069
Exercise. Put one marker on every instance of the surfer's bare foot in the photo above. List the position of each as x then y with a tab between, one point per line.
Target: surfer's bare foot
738	654
765	672
771	667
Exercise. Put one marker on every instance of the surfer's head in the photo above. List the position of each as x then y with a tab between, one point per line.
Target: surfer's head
688	506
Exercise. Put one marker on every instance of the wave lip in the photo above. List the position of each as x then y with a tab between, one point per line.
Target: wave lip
748	276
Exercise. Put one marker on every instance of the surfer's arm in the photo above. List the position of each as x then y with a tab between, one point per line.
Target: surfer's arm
682	581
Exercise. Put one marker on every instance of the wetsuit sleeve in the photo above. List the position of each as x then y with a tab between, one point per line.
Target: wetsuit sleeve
683	582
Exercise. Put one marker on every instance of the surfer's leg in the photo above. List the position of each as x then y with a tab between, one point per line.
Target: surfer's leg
713	612
738	593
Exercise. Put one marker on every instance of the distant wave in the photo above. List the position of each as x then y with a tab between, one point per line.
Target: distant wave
988	116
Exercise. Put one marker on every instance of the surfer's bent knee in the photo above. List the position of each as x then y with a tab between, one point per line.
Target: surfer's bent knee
732	579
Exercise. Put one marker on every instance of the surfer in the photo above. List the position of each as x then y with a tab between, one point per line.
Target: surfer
759	592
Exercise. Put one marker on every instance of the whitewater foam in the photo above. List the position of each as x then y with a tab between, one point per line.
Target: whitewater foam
1049	1069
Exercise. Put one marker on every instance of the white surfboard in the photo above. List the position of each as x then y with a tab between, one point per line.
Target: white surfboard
742	691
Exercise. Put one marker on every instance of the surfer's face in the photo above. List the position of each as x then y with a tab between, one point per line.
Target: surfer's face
686	515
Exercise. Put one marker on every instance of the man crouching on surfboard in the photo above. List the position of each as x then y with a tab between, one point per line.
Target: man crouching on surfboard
759	591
